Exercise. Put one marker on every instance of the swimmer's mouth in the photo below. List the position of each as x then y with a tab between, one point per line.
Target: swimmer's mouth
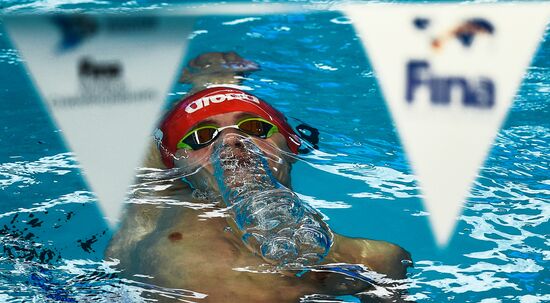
237	162
236	157
241	164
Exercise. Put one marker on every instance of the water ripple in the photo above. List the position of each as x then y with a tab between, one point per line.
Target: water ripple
81	281
24	172
385	182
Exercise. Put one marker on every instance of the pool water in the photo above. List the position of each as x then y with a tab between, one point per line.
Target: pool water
312	68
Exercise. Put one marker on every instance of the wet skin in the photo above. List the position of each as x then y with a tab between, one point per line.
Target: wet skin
191	248
182	249
188	252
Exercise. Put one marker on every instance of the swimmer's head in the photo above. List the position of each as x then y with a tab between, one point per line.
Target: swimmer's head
221	115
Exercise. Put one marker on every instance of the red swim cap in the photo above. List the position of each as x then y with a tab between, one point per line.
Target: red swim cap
213	101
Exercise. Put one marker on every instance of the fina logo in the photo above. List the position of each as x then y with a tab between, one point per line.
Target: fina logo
449	80
479	93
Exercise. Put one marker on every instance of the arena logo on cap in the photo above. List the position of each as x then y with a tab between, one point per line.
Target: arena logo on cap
219	98
449	74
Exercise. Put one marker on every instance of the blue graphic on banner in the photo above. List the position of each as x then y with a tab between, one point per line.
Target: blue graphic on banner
464	32
75	29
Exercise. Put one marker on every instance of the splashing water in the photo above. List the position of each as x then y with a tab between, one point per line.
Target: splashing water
274	222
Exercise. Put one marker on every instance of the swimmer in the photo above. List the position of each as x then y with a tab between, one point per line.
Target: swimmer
237	232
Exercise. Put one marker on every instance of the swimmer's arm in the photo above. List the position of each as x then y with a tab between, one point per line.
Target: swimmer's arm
380	256
216	68
139	221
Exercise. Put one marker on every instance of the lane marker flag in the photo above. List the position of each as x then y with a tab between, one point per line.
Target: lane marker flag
105	80
449	74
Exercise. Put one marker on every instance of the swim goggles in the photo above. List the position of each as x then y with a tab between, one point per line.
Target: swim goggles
203	136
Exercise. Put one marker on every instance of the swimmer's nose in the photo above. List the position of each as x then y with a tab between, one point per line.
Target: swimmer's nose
234	140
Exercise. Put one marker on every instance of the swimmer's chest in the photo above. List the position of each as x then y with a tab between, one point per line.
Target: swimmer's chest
205	256
198	246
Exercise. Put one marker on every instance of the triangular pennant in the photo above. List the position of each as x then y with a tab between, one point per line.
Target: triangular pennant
449	74
105	79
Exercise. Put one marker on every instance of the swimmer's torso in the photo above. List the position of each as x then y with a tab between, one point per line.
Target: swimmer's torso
188	251
180	247
203	255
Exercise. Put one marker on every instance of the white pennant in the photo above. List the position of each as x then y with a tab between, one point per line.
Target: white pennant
449	74
105	79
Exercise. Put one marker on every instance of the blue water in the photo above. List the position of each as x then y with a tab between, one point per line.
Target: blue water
313	68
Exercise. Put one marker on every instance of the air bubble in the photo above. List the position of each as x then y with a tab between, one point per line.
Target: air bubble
274	222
